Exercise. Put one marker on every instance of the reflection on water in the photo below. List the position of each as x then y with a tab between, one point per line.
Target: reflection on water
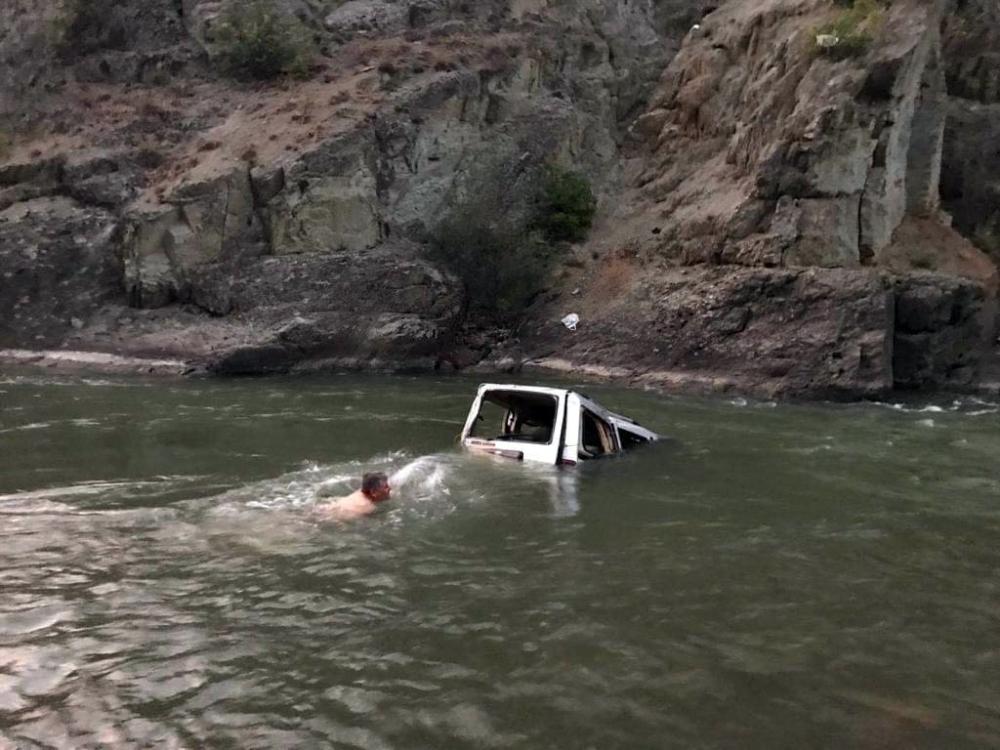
780	576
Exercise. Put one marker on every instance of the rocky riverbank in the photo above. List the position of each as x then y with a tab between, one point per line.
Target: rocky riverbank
770	219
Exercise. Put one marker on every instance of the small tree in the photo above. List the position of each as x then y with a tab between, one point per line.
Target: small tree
987	238
80	27
499	241
566	205
257	41
502	268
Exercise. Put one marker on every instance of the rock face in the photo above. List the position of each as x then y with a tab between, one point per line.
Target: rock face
719	324
204	223
939	326
770	218
813	162
58	266
758	151
970	185
343	307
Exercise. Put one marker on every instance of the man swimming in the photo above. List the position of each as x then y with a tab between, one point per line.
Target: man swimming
375	489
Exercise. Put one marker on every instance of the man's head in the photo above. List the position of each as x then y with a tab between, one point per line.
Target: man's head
375	486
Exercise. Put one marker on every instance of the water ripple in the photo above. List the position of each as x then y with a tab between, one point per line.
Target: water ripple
789	576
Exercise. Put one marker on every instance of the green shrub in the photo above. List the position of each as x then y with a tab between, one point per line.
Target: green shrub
566	207
502	241
987	238
502	268
81	27
71	21
258	41
852	32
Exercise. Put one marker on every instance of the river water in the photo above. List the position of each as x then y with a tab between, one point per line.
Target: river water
774	576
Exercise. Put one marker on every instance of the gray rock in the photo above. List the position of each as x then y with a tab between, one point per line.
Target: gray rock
328	201
59	263
253	359
971	31
368	17
825	231
41	171
202	223
106	190
267	182
945	328
970	180
778	332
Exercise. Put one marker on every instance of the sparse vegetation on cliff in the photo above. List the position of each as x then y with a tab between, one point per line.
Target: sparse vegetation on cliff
501	266
987	239
80	27
6	142
504	262
259	42
852	32
567	205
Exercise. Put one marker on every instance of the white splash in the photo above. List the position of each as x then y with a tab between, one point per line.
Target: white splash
422	478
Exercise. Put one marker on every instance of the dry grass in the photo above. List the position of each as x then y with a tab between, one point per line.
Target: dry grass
276	119
851	32
614	276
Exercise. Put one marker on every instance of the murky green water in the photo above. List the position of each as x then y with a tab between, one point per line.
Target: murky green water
781	576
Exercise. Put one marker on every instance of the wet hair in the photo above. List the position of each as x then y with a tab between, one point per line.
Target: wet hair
373	481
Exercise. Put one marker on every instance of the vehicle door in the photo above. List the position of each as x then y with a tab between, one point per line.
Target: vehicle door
493	441
598	438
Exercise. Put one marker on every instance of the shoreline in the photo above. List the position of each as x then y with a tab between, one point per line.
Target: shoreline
99	363
677	382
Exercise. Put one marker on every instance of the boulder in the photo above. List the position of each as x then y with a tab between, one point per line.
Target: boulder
368	17
944	330
253	359
326	200
201	223
58	264
772	331
330	213
391	279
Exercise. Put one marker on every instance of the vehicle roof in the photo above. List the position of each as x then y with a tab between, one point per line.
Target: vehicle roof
524	388
559	393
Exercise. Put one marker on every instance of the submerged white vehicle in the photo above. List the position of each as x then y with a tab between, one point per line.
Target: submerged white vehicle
547	425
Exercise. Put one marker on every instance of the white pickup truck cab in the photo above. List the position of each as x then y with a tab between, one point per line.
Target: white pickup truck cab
547	425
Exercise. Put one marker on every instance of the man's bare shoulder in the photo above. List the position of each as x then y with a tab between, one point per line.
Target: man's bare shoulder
354	505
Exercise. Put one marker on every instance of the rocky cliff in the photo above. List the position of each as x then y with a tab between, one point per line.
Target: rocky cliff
770	217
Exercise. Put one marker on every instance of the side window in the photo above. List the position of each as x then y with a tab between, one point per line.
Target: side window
596	437
629	439
491	421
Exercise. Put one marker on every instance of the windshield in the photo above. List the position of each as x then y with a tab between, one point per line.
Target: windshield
517	416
